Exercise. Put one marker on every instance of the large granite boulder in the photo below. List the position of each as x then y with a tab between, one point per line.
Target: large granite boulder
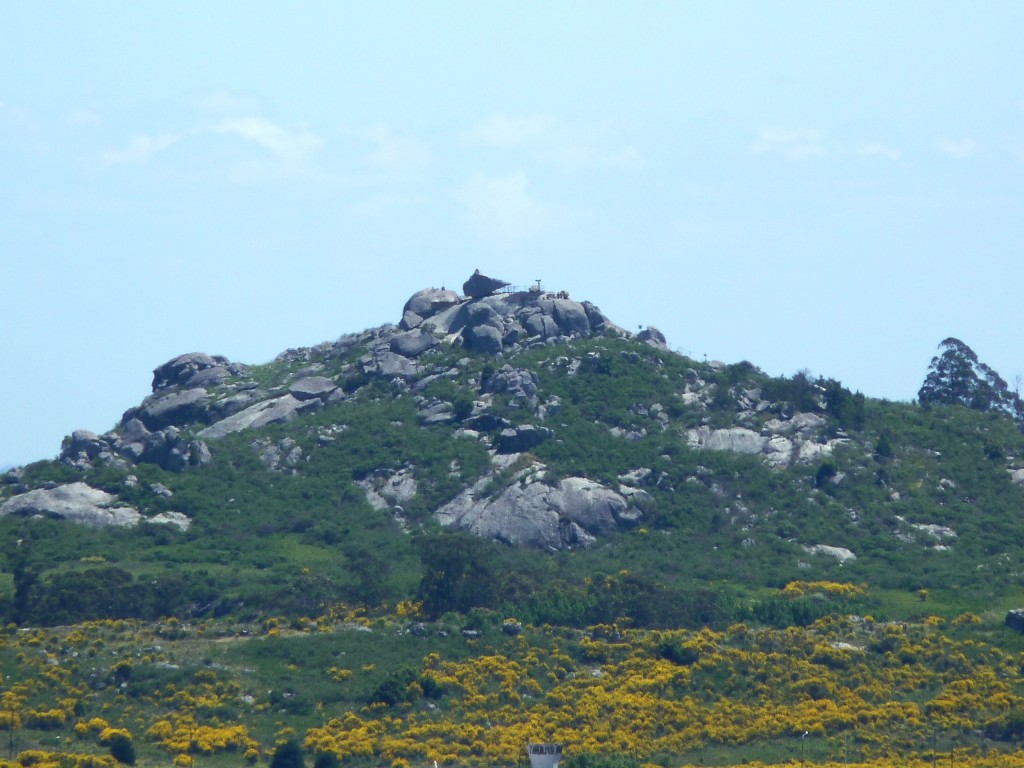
734	439
521	438
166	447
488	322
570	317
532	513
653	337
177	407
82	504
480	285
519	383
83	445
1015	619
482	338
279	410
541	325
76	502
425	303
388	488
413	343
394	366
196	369
781	443
312	388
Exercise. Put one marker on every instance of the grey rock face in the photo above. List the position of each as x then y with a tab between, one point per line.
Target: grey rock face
195	369
569	316
413	343
312	387
521	438
279	410
165	447
598	322
735	439
209	393
480	313
541	325
533	514
82	446
488	322
175	519
483	338
386	488
77	502
480	285
654	337
392	365
842	554
781	443
520	383
284	456
425	303
436	413
1015	619
178	407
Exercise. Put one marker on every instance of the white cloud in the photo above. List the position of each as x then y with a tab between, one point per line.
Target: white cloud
293	146
502	209
869	149
396	153
140	150
958	148
566	144
791	142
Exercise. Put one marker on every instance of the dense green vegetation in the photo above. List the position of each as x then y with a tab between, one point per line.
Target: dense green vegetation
718	527
296	624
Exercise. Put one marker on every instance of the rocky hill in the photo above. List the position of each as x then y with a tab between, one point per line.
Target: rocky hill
529	419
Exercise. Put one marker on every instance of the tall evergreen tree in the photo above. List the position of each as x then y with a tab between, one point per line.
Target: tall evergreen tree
957	377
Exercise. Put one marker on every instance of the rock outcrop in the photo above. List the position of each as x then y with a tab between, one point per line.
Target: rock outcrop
522	438
799	440
842	554
1015	619
480	285
198	397
425	303
195	369
83	504
280	410
490	323
652	336
568	514
166	447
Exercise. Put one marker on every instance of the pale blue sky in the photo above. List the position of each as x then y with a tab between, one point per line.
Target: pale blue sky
806	185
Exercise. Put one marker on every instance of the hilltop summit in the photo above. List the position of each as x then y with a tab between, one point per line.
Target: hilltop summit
523	417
